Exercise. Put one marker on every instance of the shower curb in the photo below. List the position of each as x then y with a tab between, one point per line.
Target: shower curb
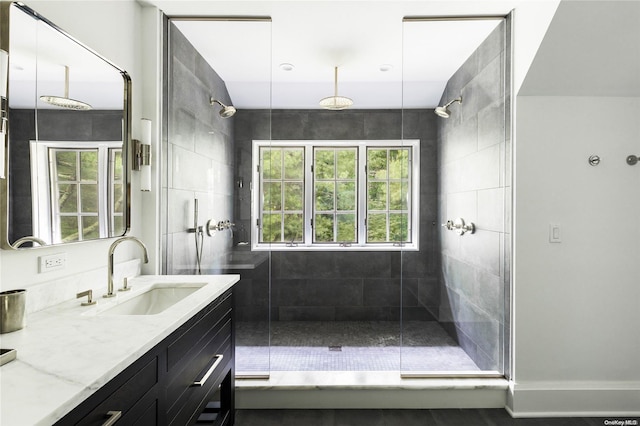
361	390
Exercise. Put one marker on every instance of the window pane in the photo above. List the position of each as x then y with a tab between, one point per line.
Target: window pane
399	163
325	192
377	196
293	196
271	163
117	165
272	228
89	198
346	196
69	228
272	196
118	226
346	164
398	195
377	163
66	165
346	227
398	227
90	227
377	228
325	164
293	231
323	226
89	165
68	198
117	198
294	164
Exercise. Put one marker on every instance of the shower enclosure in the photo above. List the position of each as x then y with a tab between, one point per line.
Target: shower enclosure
335	216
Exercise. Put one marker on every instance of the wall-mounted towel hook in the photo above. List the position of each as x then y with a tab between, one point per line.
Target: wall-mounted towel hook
632	160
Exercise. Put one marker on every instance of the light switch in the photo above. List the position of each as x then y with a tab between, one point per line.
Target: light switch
554	233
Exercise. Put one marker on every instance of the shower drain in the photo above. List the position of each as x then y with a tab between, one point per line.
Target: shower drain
335	348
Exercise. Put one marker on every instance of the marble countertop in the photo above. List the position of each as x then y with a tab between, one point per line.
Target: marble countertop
67	352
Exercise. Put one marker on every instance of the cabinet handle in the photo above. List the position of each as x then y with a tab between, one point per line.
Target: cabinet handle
113	418
204	378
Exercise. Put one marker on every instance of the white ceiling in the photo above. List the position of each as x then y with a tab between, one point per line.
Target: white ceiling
315	36
39	54
603	39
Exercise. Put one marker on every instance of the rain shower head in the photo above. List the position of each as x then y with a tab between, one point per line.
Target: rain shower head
65	101
443	111
226	111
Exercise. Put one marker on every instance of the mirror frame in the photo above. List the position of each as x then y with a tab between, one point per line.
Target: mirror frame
5	8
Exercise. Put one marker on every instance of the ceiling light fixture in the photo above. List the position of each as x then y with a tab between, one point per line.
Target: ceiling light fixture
336	102
66	102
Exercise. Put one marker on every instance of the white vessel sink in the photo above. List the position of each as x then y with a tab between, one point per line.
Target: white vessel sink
156	299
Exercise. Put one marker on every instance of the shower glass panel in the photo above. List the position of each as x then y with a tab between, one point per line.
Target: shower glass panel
454	286
336	302
209	159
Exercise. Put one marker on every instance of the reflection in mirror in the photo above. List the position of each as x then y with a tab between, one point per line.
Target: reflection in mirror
69	124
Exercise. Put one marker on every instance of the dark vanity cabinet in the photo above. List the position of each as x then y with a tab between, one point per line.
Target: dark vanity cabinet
186	379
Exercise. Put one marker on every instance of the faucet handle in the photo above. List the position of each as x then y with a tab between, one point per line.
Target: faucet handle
125	285
89	294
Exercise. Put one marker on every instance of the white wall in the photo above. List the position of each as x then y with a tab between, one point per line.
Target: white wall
576	303
577	345
112	29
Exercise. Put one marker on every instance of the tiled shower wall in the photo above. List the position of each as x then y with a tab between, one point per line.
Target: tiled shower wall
200	159
348	285
474	152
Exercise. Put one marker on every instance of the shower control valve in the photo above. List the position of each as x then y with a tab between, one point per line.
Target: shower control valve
460	226
448	225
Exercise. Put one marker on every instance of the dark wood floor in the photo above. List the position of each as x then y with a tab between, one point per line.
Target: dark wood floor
471	417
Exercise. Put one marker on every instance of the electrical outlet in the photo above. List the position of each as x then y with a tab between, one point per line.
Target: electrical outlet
52	262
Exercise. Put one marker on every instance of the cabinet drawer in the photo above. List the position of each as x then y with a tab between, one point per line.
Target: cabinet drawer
194	399
125	397
181	379
197	330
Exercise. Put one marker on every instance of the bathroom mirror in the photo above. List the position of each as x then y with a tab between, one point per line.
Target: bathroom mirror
67	136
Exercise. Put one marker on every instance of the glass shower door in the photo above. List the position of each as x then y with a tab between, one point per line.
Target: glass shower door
454	287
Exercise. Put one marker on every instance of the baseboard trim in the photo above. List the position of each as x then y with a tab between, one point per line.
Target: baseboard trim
559	399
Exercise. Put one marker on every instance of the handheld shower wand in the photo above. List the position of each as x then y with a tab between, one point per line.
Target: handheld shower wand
199	237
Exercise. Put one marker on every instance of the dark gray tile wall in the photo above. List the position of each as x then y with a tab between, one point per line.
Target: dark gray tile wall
341	285
474	184
199	153
53	125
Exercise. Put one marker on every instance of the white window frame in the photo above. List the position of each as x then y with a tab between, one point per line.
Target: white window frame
361	245
43	204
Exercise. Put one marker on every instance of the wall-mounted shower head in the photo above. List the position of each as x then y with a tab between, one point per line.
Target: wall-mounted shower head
443	111
226	111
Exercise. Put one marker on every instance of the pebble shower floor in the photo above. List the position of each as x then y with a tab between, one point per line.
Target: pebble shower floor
348	346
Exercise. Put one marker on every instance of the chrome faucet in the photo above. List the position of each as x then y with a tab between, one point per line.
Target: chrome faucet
29	239
112	249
